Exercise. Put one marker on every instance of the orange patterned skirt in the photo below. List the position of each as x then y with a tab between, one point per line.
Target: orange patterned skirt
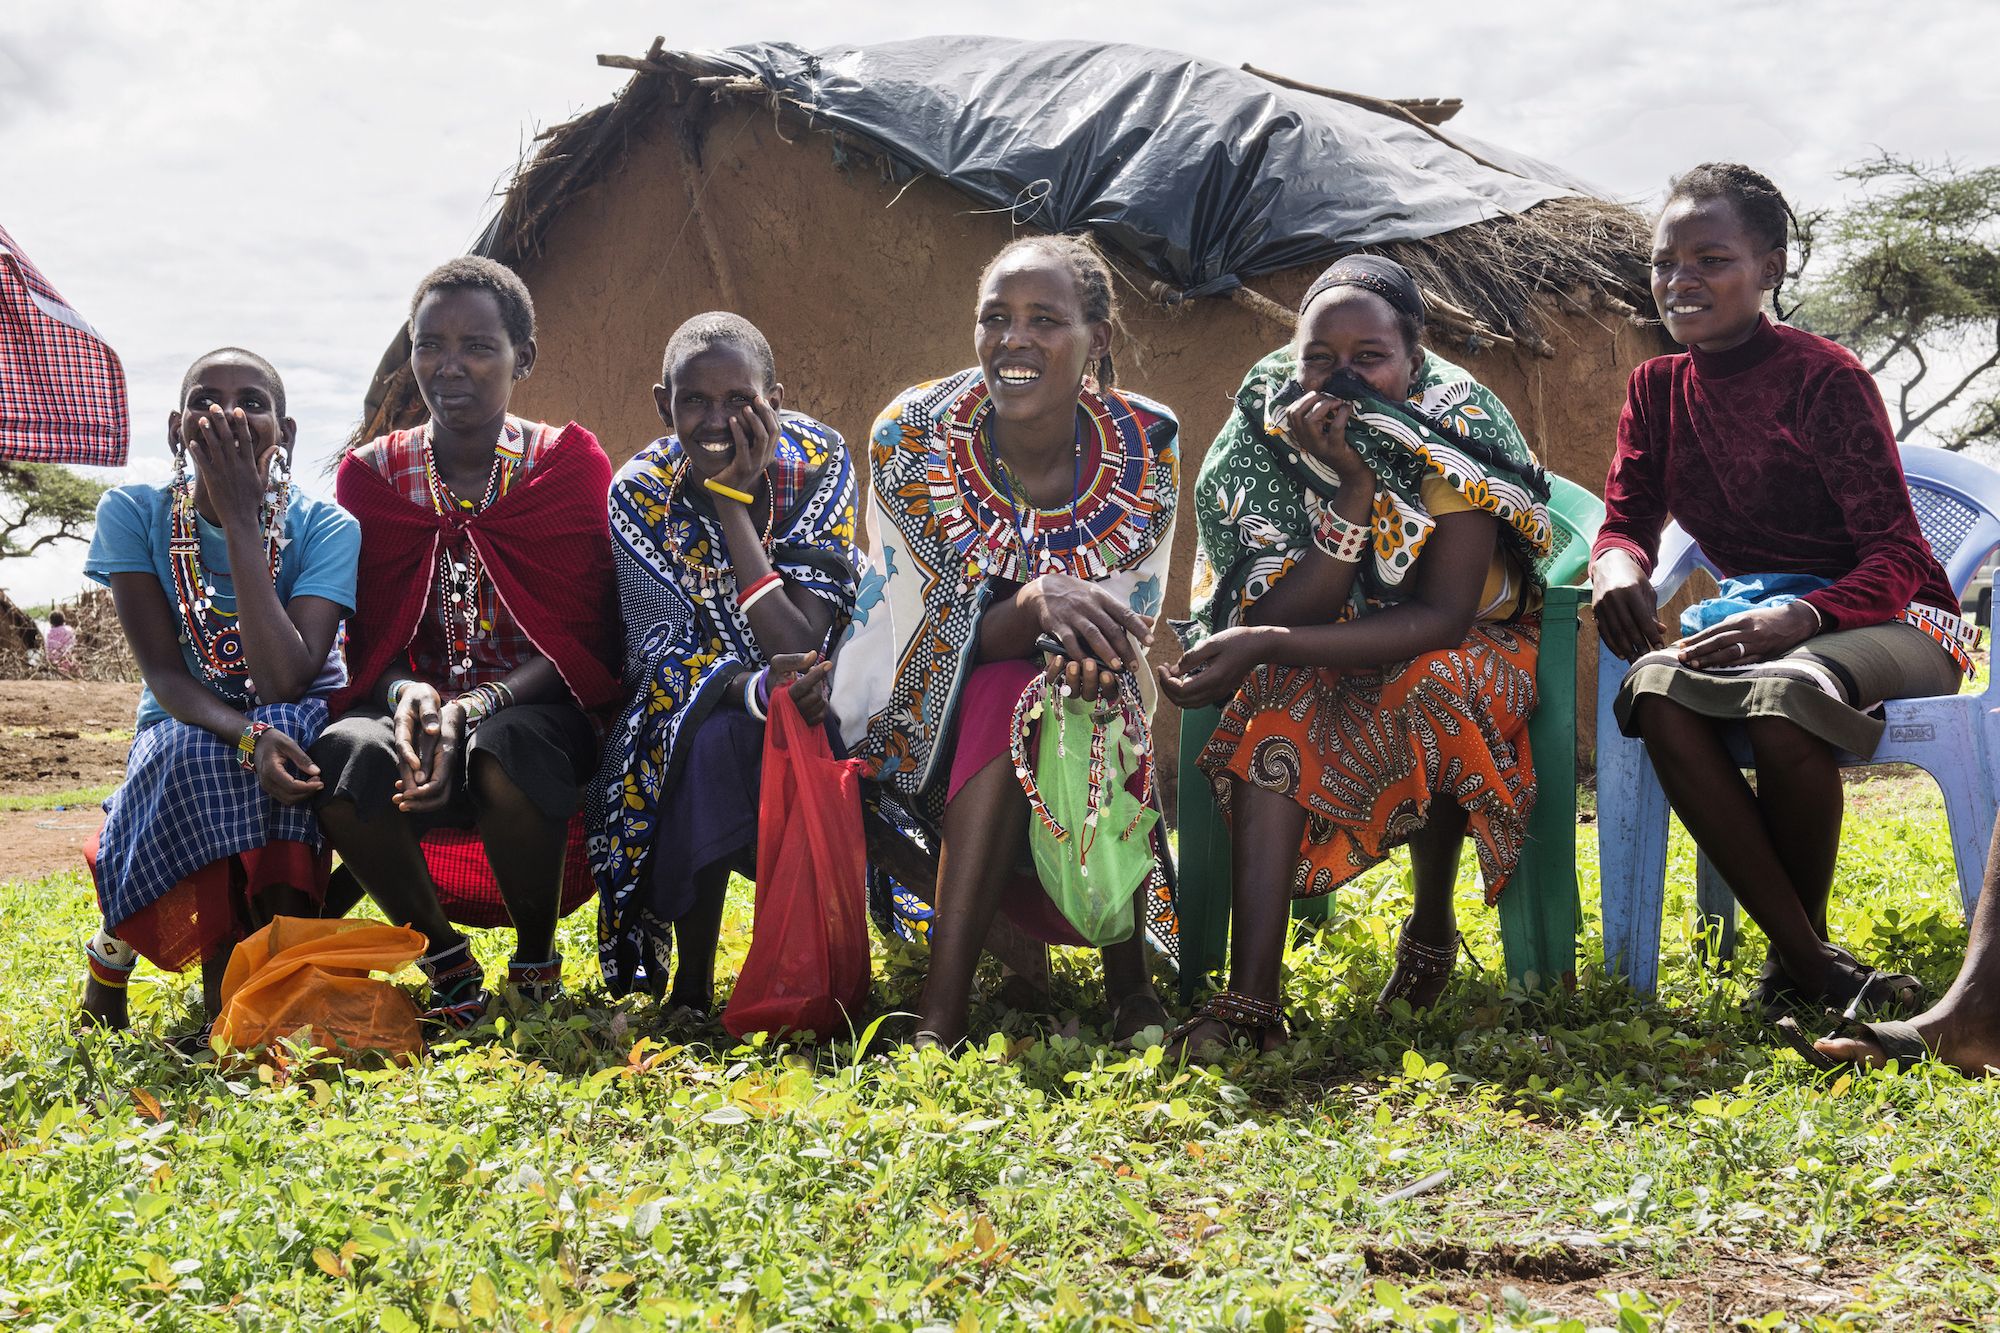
1367	752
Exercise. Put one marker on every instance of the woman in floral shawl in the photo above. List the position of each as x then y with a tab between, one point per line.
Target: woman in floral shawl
1023	499
1370	521
734	543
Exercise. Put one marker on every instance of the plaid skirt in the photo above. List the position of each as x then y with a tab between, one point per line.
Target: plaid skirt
1366	753
187	802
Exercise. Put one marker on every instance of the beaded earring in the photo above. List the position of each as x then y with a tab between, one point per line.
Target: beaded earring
183	538
277	498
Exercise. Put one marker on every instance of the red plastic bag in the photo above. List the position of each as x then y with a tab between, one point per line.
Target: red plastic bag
808	965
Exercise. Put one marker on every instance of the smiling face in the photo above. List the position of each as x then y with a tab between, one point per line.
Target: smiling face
1710	274
1032	338
230	385
464	363
705	391
1351	328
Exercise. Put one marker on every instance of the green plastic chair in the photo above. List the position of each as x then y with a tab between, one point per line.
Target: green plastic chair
1539	913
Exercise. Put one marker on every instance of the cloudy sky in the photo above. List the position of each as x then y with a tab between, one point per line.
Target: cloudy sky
279	176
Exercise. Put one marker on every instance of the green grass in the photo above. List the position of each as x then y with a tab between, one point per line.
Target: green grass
1611	1163
58	800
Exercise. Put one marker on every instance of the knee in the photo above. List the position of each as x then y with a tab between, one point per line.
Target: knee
1777	742
1665	725
338	813
489	781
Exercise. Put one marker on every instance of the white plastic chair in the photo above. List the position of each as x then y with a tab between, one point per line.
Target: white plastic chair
1954	738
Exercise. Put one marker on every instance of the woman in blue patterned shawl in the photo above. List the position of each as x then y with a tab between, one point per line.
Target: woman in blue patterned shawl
734	544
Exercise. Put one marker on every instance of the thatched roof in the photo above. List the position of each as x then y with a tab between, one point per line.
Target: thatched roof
1488	282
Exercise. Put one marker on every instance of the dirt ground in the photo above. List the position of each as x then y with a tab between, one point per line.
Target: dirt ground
58	737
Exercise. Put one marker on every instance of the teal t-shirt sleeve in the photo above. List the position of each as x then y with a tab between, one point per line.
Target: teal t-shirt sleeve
123	541
329	556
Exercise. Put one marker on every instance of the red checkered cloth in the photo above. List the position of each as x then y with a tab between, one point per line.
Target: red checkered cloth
62	390
457	862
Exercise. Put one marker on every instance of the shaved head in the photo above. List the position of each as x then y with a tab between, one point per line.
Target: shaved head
235	356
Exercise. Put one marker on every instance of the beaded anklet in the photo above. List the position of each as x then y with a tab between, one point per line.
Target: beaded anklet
537	983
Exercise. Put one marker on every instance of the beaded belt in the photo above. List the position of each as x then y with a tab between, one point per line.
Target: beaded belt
1956	634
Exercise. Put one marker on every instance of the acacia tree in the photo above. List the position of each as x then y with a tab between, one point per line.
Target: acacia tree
43	503
1912	285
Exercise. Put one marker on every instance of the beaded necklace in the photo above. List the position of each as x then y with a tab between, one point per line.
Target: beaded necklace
213	634
1009	483
459	574
1039	702
709	578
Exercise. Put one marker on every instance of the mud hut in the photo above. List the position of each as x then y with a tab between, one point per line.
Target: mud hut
799	190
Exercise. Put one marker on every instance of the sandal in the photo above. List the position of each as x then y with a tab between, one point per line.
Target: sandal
458	989
1776	994
1857	986
193	1045
1897	1040
1246	1018
1418	964
1136	1004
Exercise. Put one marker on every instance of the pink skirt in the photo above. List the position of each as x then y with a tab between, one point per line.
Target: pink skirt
985	722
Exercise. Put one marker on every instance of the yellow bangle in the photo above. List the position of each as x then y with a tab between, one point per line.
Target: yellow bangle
730	491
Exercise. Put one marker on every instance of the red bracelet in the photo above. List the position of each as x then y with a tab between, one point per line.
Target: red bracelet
751	593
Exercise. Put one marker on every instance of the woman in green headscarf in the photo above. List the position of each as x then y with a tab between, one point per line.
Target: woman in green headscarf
1370	519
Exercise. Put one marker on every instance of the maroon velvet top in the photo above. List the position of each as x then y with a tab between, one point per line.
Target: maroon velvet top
1777	458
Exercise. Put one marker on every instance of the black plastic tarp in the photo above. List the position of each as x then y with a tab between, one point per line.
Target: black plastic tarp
1208	175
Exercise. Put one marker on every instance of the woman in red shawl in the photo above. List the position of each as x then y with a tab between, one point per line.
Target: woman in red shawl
479	644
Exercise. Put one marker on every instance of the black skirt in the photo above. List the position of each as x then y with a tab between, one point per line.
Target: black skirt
547	750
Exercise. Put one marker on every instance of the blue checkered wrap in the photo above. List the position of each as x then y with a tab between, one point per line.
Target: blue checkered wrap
187	801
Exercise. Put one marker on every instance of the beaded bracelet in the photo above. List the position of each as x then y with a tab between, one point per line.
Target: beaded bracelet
1338	538
741	497
481	702
395	692
246	745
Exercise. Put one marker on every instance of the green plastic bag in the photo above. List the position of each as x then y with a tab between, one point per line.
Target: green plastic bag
1090	860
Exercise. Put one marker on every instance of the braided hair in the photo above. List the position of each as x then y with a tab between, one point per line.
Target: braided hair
1087	265
1759	205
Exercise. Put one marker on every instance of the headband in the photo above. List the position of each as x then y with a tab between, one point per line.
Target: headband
1384	277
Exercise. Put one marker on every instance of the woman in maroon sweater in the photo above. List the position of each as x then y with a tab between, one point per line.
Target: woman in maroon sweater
1772	448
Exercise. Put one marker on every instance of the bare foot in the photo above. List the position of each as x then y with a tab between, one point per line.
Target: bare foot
103	1006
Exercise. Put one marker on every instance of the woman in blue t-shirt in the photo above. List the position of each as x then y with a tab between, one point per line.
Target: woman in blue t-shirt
209	836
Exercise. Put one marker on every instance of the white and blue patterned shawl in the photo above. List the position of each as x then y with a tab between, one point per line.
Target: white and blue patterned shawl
681	653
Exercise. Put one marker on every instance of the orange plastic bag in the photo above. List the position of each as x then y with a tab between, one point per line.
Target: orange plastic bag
807	970
299	972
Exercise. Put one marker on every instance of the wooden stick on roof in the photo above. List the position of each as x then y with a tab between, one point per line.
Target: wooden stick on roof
1410	111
